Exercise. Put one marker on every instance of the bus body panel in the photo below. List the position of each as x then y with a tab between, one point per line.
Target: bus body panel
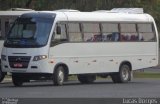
96	58
104	57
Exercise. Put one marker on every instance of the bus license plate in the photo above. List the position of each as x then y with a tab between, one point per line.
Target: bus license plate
18	65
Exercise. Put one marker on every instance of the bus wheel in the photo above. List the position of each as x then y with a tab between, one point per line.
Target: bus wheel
2	75
123	76
59	76
85	79
17	81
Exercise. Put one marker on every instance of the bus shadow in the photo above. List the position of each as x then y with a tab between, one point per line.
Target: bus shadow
66	84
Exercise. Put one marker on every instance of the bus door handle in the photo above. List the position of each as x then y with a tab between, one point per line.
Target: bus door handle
154	59
140	59
76	61
94	61
111	60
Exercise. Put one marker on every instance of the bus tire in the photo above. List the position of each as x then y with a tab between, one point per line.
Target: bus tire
59	76
86	79
17	81
2	75
124	74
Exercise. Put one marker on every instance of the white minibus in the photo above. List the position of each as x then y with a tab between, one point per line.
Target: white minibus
56	44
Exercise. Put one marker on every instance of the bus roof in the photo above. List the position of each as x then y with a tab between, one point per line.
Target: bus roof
13	13
102	16
89	16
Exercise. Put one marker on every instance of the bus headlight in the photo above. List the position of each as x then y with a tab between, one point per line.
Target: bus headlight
39	57
3	57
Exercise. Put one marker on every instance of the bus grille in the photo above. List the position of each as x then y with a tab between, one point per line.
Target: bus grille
19	61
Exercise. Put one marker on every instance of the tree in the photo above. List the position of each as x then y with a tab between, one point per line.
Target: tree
150	6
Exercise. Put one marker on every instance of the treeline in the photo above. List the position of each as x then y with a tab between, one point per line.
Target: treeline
150	6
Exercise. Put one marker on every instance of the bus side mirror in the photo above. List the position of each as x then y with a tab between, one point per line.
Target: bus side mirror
58	30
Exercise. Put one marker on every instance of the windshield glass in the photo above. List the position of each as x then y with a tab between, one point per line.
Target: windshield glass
29	32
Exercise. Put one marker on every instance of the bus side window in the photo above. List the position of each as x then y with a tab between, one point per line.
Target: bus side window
74	32
7	26
0	30
110	32
59	34
92	32
146	32
128	32
58	30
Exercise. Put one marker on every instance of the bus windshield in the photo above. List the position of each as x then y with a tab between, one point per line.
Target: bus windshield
29	32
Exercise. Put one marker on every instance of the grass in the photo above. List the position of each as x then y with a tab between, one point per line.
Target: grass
135	75
146	75
72	77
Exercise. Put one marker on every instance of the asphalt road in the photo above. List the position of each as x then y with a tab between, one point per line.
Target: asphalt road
73	89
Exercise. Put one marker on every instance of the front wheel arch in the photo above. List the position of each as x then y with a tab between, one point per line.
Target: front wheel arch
127	63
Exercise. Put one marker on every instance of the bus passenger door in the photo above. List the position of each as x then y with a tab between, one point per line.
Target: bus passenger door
57	51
